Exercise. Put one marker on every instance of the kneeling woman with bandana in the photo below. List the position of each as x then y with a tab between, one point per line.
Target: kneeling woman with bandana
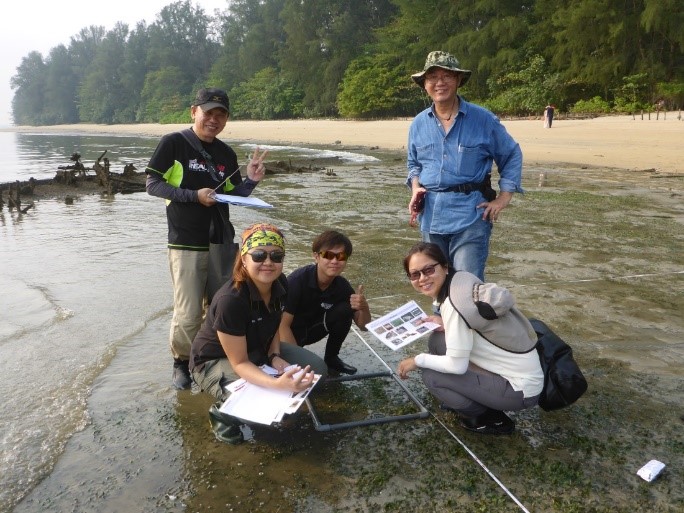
240	331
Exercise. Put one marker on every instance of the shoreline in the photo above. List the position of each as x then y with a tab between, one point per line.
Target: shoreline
607	142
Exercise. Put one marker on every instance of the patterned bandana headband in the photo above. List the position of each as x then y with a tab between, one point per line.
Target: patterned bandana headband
261	234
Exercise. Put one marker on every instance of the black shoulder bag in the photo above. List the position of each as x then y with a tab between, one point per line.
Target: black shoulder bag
222	249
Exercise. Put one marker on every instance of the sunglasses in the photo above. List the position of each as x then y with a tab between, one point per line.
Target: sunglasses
428	270
259	256
447	78
331	255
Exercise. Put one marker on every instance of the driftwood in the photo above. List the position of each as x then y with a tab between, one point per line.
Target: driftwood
14	191
68	174
126	185
29	187
105	181
129	170
14	197
102	172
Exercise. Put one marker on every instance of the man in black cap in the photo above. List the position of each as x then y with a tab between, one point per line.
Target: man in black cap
186	169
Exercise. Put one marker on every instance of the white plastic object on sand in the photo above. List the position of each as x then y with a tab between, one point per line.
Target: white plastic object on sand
651	470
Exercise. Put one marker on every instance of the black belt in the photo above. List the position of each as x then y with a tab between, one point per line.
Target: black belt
465	188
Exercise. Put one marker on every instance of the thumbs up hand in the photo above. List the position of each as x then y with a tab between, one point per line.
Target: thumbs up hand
358	300
359	304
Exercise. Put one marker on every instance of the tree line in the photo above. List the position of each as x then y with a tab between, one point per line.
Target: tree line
353	58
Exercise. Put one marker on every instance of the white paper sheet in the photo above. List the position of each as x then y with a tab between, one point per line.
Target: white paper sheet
257	404
254	403
244	202
401	326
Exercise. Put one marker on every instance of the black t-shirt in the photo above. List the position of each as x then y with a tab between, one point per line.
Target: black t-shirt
240	313
183	166
306	302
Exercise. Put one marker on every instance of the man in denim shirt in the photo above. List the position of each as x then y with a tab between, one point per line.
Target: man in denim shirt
451	147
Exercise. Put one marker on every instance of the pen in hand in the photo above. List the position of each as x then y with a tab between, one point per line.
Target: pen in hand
226	179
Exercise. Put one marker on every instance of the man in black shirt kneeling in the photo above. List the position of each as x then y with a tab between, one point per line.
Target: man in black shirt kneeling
320	302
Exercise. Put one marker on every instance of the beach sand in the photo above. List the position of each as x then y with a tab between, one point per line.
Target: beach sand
610	142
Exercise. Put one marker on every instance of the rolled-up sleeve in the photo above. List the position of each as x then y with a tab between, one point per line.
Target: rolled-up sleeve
508	158
412	162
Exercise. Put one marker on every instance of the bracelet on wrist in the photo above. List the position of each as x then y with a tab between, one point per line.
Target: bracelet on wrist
272	357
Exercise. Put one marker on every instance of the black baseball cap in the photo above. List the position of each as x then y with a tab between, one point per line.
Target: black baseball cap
209	98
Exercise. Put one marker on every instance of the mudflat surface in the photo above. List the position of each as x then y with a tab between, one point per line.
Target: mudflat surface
596	252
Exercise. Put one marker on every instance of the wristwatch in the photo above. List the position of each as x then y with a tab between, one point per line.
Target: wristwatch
271	357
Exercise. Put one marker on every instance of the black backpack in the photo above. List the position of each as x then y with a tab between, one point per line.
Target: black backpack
564	382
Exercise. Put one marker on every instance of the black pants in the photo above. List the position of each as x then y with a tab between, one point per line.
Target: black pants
335	323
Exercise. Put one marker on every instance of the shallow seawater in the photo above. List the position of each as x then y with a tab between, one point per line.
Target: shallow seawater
603	266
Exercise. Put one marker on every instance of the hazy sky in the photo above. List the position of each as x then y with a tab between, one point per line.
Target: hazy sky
43	24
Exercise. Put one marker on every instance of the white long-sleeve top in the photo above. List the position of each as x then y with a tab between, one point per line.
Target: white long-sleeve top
464	345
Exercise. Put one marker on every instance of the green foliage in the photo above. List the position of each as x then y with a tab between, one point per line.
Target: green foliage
489	37
180	38
253	37
285	58
179	116
663	20
322	38
672	93
132	74
160	97
595	40
102	94
525	90
60	88
595	105
29	100
370	89
267	95
631	96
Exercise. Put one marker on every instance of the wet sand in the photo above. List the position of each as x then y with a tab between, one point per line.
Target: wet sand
613	142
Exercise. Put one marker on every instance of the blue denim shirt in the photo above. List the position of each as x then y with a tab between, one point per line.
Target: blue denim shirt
463	155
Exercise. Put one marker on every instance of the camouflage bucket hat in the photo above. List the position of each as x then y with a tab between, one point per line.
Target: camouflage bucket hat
442	60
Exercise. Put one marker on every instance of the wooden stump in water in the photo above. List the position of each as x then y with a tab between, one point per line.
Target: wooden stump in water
14	197
103	177
129	170
102	172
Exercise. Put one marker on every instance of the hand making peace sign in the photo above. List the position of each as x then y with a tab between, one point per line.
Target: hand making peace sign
256	170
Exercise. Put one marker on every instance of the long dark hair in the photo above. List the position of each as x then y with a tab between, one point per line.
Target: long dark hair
431	250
